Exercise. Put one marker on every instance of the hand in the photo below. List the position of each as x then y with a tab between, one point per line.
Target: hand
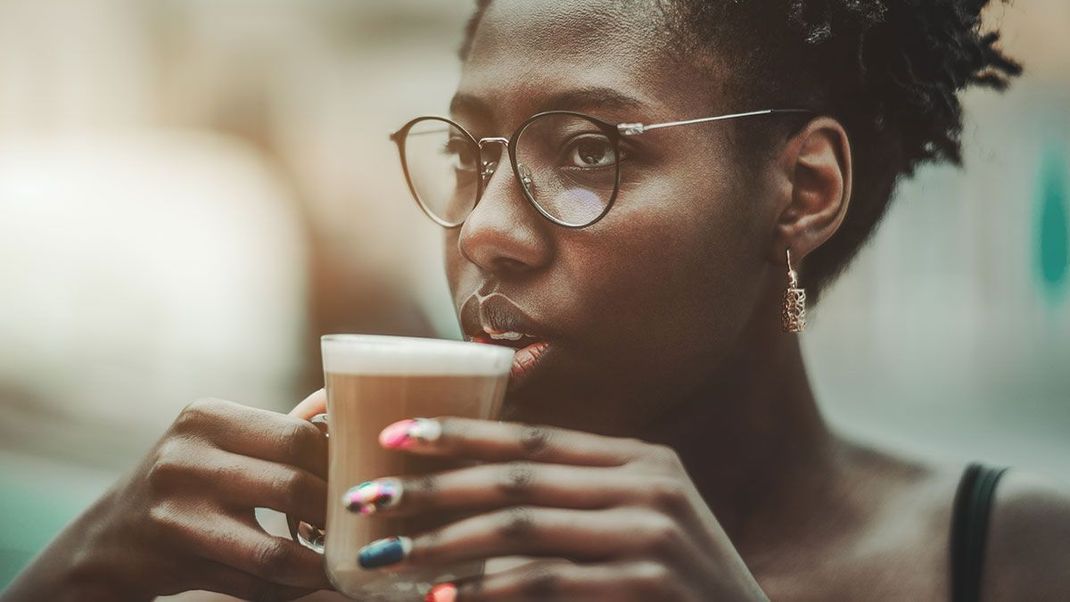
184	519
610	519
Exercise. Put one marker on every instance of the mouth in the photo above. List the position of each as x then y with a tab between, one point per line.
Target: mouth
496	320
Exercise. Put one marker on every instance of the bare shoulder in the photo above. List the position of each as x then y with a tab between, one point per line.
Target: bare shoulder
1028	551
881	533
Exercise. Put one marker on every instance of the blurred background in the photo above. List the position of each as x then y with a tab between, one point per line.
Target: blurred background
192	191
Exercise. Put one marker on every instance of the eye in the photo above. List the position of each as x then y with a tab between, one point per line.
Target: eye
590	151
462	156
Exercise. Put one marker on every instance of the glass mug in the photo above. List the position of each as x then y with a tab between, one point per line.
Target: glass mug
373	381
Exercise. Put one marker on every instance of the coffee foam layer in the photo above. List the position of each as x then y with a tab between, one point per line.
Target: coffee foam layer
386	355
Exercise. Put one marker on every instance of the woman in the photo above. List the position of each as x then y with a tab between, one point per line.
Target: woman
642	270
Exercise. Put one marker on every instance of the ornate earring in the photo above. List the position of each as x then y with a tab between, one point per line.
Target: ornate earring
794	314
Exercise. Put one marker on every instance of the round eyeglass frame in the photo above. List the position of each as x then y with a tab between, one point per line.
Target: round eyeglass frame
611	131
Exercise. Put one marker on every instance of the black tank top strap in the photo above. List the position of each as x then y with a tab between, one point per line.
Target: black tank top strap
969	530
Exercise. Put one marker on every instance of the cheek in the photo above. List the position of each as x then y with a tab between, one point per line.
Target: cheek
669	277
454	262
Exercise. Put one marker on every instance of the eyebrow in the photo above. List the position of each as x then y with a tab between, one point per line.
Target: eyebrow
578	98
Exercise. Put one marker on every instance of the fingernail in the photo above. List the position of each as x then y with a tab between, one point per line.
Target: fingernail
384	552
371	496
443	592
406	433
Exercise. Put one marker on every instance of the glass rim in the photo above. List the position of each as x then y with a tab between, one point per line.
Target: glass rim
395	340
368	354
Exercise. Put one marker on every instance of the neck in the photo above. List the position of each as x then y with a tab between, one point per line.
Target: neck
751	433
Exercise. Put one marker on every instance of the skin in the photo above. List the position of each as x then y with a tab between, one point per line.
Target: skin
681	454
183	519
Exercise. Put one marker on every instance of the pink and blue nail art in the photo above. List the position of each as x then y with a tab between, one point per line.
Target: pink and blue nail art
372	496
406	433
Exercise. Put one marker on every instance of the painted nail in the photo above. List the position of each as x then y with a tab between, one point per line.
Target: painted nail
370	496
443	592
406	433
384	552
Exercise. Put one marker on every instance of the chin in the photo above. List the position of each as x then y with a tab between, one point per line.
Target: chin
562	403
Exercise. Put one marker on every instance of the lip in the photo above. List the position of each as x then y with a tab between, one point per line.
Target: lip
526	363
496	313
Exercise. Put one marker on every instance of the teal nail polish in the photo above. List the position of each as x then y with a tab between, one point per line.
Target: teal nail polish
384	552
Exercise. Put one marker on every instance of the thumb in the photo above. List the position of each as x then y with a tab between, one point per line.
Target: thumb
312	405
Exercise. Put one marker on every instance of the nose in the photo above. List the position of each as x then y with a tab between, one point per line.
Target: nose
487	167
490	166
504	234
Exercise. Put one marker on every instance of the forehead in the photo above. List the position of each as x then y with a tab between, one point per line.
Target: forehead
530	55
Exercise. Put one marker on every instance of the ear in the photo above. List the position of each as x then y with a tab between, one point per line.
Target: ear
816	165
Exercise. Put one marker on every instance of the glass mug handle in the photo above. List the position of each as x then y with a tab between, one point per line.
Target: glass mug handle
310	536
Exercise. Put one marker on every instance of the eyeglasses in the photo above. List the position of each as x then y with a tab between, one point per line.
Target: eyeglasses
567	164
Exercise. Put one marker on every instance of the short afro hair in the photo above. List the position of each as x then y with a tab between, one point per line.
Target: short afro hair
889	70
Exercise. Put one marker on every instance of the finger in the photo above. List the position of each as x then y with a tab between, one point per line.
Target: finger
242	545
491	441
215	577
488	486
238	481
580	535
253	483
315	403
257	433
550	580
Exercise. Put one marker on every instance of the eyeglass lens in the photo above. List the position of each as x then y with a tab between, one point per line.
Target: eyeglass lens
567	166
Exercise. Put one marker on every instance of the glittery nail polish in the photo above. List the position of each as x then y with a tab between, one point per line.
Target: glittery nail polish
384	552
370	496
407	433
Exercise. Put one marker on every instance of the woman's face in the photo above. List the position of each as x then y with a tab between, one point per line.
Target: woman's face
640	307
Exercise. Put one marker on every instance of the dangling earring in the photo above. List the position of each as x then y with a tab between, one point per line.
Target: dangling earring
794	314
